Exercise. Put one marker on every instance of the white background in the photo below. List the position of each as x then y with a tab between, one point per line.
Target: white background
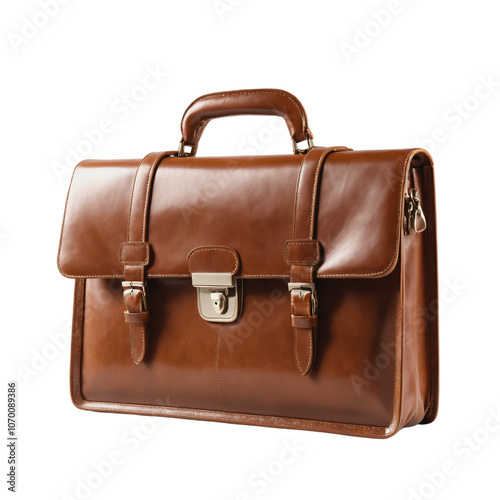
414	76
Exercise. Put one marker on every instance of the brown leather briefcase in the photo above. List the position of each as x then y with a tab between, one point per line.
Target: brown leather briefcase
295	291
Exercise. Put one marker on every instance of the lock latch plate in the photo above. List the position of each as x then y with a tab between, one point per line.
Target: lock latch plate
218	296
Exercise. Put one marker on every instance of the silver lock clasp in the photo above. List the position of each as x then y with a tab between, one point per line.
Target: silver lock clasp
218	296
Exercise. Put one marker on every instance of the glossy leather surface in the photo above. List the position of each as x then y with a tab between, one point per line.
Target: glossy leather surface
375	366
244	102
247	366
358	214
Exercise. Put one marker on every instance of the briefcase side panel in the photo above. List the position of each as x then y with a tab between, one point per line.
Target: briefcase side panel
418	256
431	283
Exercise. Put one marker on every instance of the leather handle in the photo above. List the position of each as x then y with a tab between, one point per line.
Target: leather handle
244	102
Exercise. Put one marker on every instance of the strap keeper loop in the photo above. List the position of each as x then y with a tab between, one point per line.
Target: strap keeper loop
304	321
141	317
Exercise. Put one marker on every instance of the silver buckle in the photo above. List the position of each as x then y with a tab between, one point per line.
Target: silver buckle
310	287
139	285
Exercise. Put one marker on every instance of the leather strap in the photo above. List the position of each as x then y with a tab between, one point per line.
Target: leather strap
302	253
134	255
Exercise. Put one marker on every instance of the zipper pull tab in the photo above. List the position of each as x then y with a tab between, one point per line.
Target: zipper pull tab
414	215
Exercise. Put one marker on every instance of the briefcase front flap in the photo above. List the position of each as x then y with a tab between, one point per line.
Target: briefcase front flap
243	203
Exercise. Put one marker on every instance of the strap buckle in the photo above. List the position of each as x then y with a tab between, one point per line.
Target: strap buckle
136	285
309	287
